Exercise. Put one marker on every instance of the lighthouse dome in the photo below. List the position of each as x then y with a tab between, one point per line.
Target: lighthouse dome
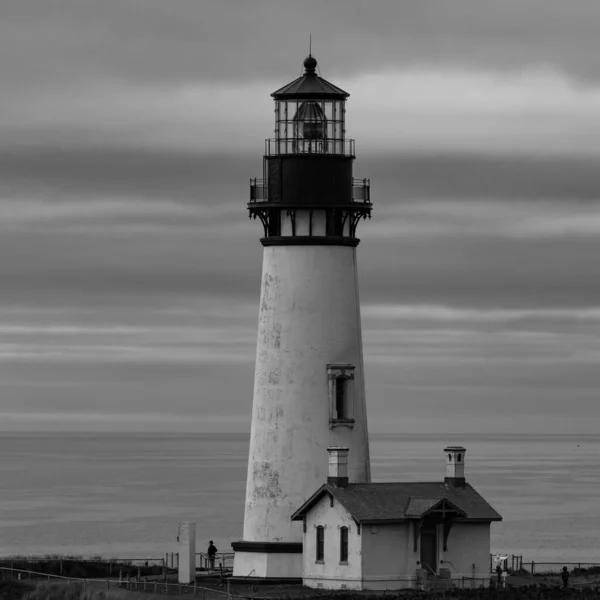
310	63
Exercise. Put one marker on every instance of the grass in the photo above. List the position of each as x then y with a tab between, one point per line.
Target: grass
56	591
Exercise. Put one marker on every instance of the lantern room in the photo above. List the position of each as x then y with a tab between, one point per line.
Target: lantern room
309	115
307	191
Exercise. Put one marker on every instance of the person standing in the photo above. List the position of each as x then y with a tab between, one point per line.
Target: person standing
499	573
212	551
565	577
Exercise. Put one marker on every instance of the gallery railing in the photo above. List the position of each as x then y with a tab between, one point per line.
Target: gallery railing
361	190
283	146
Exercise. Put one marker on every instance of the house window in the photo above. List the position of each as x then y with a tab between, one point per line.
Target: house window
341	395
344	545
320	543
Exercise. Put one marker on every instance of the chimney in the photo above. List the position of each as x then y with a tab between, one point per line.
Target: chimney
338	465
455	466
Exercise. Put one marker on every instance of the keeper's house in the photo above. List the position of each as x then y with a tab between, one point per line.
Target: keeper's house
395	535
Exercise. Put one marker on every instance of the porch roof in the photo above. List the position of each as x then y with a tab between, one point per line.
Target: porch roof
419	507
378	502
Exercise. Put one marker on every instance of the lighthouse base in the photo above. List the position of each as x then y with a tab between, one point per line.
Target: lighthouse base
273	560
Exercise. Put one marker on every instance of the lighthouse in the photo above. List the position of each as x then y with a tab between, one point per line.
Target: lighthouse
309	390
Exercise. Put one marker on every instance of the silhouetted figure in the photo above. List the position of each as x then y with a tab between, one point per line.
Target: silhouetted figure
212	550
565	577
499	573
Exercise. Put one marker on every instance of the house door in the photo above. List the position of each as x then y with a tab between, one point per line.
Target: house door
429	549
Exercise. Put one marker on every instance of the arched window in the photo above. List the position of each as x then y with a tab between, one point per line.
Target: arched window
320	543
344	544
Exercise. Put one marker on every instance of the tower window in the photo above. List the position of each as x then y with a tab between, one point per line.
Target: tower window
320	556
459	458
341	395
340	398
344	545
450	457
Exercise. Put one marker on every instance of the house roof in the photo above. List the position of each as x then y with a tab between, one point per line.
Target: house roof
377	502
310	85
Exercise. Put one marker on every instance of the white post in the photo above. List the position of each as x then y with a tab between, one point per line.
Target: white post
186	571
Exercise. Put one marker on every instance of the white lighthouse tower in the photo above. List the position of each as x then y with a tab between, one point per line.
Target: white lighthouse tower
309	391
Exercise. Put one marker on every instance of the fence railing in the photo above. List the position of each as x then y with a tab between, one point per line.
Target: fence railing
512	563
203	562
222	559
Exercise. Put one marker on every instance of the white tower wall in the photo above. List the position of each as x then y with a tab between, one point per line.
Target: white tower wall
309	320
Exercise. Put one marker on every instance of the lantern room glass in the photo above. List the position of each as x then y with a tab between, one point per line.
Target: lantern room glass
309	126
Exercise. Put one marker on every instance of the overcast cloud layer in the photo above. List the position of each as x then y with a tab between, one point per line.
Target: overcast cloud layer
130	271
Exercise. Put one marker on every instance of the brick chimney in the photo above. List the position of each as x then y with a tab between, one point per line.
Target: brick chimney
338	465
455	466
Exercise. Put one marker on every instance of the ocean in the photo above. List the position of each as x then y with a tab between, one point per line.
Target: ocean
122	495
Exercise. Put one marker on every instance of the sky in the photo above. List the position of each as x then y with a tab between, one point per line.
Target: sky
130	272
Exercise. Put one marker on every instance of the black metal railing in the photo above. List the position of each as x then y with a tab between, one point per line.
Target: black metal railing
259	190
361	191
278	146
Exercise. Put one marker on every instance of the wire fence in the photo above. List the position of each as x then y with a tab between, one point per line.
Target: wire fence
514	564
162	587
154	586
554	568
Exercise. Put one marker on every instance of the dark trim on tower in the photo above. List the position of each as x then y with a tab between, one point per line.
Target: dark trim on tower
309	240
268	547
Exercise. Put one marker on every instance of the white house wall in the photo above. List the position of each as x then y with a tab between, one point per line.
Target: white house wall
468	545
331	574
388	559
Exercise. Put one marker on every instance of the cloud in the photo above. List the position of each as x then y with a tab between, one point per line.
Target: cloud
83	421
532	111
525	219
449	314
131	275
216	41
